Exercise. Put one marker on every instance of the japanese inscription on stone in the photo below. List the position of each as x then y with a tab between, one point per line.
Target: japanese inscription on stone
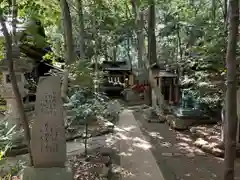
48	104
48	133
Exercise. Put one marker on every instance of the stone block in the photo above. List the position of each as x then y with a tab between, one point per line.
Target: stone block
31	173
48	141
180	124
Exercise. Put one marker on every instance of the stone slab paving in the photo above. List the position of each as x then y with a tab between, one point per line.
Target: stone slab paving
177	157
136	158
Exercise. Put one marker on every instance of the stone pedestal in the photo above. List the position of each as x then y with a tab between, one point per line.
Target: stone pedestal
12	112
21	65
31	173
131	96
12	109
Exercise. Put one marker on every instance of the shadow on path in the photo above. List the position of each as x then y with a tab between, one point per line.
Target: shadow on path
176	155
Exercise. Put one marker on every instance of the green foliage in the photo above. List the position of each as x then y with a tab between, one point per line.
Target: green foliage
81	73
2	50
189	33
86	106
6	136
192	34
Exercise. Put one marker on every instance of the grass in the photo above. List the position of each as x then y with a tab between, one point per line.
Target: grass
3	108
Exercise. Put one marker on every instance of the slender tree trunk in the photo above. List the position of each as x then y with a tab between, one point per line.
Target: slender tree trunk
231	95
79	4
96	54
152	53
86	139
129	40
105	51
115	53
139	22
214	9
69	51
14	21
9	56
179	44
225	11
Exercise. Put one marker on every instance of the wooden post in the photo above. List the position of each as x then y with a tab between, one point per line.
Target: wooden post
176	91
170	92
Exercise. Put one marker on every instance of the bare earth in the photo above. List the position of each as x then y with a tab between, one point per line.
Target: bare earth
177	158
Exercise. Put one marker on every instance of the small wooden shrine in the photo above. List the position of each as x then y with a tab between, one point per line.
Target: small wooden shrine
165	82
118	76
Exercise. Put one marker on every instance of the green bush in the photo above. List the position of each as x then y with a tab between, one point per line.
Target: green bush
85	107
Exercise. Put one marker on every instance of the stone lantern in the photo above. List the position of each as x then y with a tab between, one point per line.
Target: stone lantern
21	66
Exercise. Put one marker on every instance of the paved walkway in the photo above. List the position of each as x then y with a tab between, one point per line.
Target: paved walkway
136	158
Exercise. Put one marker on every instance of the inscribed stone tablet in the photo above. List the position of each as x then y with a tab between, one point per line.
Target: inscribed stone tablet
48	142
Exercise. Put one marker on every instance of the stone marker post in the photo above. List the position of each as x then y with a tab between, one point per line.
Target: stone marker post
48	143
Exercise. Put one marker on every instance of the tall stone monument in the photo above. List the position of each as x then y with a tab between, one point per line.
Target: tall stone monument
48	143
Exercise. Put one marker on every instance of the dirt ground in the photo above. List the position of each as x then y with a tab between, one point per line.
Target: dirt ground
176	155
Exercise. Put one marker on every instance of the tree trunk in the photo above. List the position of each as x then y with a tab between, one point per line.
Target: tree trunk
9	56
79	5
114	55
152	53
129	39
14	21
231	95
225	11
139	22
179	44
86	139
214	3
69	51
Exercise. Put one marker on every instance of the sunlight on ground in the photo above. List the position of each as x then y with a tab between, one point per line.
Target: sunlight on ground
184	142
125	154
129	128
155	135
166	144
142	146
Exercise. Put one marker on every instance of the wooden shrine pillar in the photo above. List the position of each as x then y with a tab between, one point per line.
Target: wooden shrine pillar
176	88
170	91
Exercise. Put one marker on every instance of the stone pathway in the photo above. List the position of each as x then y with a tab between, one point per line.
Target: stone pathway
176	155
136	158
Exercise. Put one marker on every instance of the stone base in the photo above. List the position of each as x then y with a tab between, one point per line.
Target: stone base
184	123
159	119
31	173
179	124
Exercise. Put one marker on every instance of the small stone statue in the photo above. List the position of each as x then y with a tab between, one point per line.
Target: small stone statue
187	100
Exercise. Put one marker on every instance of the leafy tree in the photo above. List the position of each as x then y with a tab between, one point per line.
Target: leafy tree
86	107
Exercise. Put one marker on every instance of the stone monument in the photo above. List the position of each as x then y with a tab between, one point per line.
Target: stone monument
21	66
48	143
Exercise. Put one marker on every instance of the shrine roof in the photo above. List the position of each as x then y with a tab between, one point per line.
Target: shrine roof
165	74
114	66
20	65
